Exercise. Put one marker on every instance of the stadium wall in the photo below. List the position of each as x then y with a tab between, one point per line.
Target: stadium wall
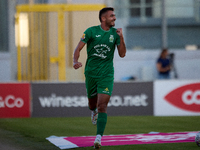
141	65
158	98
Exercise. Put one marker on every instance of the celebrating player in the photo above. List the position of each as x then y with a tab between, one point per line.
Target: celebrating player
99	71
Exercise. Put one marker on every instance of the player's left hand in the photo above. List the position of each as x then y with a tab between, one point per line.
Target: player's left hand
119	31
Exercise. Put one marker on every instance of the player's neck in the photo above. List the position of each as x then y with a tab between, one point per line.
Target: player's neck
104	27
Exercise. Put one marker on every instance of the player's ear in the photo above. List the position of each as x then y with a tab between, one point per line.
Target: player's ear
103	18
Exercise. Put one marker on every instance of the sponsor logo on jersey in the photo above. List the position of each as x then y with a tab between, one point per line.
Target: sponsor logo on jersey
106	90
186	97
98	35
101	50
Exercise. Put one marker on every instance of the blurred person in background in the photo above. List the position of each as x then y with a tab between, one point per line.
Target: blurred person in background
163	65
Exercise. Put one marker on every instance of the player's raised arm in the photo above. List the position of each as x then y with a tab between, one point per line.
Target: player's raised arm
76	55
121	47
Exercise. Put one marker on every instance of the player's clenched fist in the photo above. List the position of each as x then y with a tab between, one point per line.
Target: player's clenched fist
77	65
119	31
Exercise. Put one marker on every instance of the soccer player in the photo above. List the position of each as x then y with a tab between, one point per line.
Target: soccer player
99	71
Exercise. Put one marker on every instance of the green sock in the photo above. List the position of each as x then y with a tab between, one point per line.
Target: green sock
101	123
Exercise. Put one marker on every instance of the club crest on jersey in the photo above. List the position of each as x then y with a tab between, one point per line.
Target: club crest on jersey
83	37
111	38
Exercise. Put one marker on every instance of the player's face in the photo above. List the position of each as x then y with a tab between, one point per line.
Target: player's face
110	18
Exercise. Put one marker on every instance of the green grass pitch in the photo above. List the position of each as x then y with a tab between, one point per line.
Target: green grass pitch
30	133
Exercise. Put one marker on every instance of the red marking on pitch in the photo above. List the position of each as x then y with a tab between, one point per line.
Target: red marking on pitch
179	137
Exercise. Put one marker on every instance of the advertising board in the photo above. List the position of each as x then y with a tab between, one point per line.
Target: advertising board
176	98
70	100
14	100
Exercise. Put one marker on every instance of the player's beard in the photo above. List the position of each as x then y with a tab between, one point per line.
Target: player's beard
110	23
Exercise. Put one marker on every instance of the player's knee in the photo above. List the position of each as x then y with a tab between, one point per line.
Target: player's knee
102	108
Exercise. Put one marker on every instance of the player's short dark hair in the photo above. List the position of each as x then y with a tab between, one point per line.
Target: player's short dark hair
104	10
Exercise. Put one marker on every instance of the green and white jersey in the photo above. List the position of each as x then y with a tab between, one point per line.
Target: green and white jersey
100	51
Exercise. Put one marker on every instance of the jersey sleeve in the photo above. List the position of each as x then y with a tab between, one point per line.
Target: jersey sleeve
86	36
